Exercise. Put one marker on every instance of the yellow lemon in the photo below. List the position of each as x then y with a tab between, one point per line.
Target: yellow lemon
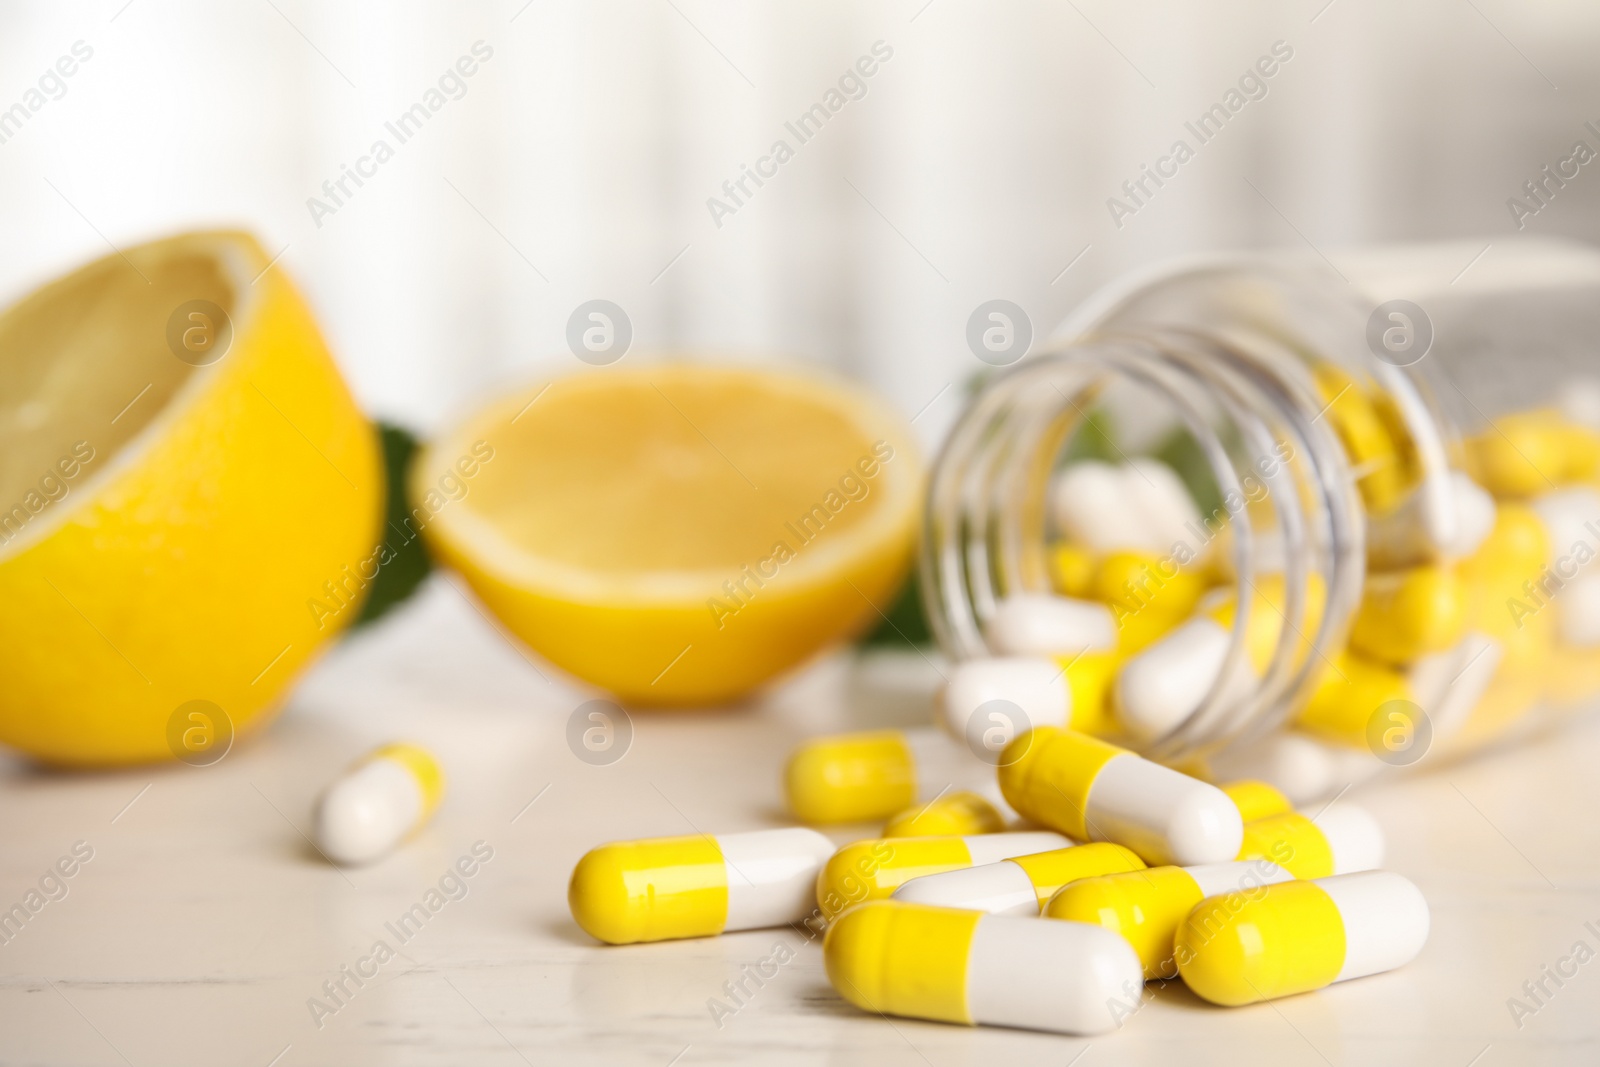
181	472
676	533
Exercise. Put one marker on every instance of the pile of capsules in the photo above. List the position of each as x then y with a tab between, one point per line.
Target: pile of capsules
1129	871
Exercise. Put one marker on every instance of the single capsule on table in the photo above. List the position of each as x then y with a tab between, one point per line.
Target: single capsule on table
1294	937
1094	791
1018	886
1147	907
871	870
696	885
968	967
369	809
1255	799
873	775
1342	840
954	814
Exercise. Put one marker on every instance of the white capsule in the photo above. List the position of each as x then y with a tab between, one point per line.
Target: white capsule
1580	402
1578	612
1448	685
1089	500
1041	624
1298	766
1354	838
366	812
1163	502
993	700
1475	513
1163	685
1567	515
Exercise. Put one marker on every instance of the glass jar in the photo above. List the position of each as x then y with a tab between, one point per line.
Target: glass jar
1334	422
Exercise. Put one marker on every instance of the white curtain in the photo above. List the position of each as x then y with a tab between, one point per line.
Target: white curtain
578	160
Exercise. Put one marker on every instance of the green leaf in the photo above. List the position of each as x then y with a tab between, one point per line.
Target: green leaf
408	563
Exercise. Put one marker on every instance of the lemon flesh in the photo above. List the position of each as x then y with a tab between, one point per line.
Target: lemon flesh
169	516
676	534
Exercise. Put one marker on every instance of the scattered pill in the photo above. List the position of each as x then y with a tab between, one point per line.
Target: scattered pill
871	776
1040	624
1018	886
1147	907
954	814
967	967
370	808
1341	840
1091	790
1352	687
1294	937
872	870
697	885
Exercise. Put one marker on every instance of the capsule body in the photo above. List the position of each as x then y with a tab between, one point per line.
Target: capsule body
696	885
872	870
952	815
368	810
1298	936
1091	790
1018	886
873	775
1343	839
1147	907
967	967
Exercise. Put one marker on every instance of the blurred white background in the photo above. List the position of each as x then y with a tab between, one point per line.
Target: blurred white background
579	161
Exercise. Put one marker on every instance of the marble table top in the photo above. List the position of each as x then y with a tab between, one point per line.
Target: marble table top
199	926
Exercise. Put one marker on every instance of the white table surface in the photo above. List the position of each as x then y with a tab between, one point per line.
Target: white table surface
205	921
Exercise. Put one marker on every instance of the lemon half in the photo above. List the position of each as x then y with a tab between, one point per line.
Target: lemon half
183	478
676	533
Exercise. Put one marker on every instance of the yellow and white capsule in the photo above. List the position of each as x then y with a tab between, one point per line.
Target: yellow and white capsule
1342	840
371	808
697	885
873	775
872	870
954	814
1298	936
991	970
1407	614
1018	886
1094	791
1147	907
1255	799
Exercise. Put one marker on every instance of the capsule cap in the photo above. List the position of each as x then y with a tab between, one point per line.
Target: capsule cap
1290	840
1256	800
1279	940
954	814
654	890
423	767
1145	907
893	958
1049	871
871	870
1046	773
851	778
